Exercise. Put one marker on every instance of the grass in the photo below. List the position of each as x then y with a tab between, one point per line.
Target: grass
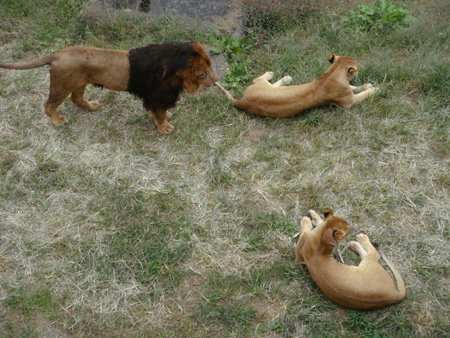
109	229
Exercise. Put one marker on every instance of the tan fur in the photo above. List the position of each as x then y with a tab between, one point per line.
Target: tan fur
71	69
366	286
275	100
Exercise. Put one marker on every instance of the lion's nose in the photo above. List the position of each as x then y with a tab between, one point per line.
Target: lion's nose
214	76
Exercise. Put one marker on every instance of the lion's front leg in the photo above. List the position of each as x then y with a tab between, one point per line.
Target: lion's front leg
350	100
162	125
305	226
363	87
364	95
314	217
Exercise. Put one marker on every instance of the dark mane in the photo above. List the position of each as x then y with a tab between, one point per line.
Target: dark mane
153	73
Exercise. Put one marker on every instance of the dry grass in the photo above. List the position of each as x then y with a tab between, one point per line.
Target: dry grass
109	229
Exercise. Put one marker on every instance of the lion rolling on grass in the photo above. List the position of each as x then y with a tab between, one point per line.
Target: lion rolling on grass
157	74
275	100
366	286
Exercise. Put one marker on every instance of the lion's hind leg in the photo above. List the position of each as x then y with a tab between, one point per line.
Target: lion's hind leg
77	97
356	247
283	81
364	248
305	226
265	77
51	106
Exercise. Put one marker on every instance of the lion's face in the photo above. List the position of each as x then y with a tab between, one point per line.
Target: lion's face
350	65
199	72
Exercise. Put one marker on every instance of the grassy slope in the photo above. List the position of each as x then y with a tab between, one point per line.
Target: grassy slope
108	228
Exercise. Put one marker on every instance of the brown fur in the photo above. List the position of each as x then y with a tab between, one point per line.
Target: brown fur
366	286
71	69
275	100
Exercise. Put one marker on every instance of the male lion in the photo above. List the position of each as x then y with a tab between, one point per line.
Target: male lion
366	286
275	100
157	74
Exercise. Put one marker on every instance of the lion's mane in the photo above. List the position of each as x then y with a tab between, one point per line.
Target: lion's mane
154	73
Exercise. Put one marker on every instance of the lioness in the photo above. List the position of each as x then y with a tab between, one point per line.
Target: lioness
157	74
366	286
275	100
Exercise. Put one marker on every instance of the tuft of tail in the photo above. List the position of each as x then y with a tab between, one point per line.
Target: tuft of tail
32	64
227	93
398	278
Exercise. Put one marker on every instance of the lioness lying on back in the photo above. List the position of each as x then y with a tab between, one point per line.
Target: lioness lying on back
275	100
366	286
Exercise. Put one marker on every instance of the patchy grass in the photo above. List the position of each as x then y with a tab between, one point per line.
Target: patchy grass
109	229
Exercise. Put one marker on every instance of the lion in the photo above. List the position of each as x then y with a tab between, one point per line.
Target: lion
366	286
157	74
275	100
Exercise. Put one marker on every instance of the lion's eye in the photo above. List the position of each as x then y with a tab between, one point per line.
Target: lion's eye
203	75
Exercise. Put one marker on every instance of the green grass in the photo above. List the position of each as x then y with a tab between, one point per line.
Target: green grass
109	229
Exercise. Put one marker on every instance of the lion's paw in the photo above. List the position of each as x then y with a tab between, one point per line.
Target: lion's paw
356	247
165	128
60	119
314	217
362	238
268	75
168	115
287	79
93	105
306	221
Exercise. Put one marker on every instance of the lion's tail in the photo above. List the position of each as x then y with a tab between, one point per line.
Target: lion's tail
398	278
32	64
227	93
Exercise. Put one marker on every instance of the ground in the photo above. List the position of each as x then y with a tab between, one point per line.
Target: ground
110	229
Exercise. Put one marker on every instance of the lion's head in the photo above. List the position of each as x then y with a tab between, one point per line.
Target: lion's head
350	65
335	228
199	71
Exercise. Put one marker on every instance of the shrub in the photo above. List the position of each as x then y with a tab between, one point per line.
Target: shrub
383	15
232	48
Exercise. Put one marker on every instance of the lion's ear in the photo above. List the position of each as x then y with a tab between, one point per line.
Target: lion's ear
338	235
327	212
352	71
331	58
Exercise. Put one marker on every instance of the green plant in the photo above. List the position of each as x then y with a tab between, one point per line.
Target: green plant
236	74
231	47
359	322
383	15
226	44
